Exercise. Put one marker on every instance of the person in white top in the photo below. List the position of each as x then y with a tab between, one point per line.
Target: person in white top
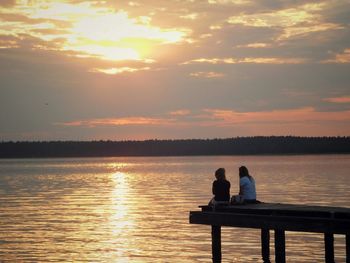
247	185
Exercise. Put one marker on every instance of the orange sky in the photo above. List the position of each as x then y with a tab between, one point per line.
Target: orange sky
173	69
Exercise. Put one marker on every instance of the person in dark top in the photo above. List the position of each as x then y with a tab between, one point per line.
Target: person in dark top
221	187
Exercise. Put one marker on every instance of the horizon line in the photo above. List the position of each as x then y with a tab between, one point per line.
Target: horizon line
174	139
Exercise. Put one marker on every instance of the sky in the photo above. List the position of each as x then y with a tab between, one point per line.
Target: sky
173	69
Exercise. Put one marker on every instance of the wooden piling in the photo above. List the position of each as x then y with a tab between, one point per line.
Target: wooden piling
280	246
347	244
216	243
265	245
329	247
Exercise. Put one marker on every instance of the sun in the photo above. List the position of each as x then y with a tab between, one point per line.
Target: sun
115	36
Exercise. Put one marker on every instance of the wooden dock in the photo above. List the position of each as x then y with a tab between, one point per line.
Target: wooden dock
279	218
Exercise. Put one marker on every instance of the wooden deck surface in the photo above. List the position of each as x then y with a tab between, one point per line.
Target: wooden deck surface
285	209
289	217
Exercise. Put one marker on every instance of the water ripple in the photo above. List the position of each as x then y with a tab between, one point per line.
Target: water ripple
136	209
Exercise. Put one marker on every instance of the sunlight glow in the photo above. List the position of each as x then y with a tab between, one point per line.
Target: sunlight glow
115	36
104	52
117	26
89	29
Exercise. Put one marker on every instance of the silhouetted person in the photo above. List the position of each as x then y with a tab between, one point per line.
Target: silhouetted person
247	185
221	187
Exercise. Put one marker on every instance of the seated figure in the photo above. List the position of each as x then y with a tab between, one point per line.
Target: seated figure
221	188
247	186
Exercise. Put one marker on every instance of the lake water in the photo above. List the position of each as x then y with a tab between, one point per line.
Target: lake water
136	209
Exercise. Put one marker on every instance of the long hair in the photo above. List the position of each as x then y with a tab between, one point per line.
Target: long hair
220	174
243	171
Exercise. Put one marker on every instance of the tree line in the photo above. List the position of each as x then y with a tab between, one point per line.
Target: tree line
231	146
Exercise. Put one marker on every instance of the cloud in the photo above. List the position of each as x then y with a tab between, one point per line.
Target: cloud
282	18
265	59
113	71
296	21
192	16
254	60
183	112
341	58
345	99
221	117
7	3
300	115
215	27
254	45
225	2
8	42
304	30
214	123
87	28
126	121
207	74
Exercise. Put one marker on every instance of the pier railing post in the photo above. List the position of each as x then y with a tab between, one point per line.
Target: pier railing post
280	246
329	247
265	245
347	244
216	243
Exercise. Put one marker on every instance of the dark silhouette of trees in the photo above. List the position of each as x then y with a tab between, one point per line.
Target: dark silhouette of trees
231	146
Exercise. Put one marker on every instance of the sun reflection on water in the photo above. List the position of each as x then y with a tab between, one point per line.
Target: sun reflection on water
120	218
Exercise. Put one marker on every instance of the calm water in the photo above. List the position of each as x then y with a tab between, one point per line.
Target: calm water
136	209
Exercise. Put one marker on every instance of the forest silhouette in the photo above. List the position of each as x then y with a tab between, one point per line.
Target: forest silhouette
261	145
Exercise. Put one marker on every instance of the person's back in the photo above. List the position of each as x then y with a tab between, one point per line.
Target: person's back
221	190
246	185
221	187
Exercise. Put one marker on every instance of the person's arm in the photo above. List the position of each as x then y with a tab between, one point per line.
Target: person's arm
214	188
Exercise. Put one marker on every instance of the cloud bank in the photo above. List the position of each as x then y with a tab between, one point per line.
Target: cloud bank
131	70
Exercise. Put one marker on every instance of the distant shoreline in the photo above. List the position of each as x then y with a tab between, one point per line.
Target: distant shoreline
169	156
240	146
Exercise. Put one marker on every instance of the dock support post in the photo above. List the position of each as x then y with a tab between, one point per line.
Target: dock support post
216	243
265	245
329	247
347	244
280	246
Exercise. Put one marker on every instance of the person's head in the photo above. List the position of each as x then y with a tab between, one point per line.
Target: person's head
220	174
243	171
